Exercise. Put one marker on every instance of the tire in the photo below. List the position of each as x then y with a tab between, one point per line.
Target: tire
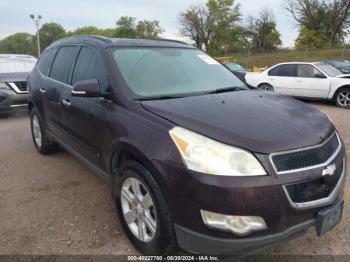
342	98
159	241
4	114
41	142
266	87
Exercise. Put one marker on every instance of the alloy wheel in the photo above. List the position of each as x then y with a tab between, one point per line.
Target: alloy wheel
344	98
266	87
36	131
138	209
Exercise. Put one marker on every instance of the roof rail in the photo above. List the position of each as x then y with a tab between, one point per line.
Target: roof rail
172	40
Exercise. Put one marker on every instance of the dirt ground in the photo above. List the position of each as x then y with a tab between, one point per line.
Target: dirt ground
55	205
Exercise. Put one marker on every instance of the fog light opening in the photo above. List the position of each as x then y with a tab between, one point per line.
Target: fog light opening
238	225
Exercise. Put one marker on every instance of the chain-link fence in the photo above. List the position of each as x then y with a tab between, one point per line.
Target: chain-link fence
250	60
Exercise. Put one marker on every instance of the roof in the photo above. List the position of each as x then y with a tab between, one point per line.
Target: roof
99	41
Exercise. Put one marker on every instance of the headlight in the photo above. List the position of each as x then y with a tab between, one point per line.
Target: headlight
4	85
207	156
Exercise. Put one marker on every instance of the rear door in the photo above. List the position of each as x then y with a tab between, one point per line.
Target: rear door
311	82
58	86
85	116
283	78
44	67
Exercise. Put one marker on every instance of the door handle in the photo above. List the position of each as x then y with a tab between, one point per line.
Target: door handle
66	103
299	81
42	90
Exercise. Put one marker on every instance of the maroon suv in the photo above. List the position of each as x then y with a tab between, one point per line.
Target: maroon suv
193	158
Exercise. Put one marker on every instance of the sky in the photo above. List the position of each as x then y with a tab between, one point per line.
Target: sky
14	14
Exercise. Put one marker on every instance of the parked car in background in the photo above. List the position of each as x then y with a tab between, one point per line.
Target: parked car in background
193	158
305	80
237	70
14	70
341	65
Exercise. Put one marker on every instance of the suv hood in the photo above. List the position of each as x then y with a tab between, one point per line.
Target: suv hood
343	76
258	121
13	77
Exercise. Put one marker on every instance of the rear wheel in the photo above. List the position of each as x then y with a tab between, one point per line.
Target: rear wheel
342	98
143	211
41	141
266	87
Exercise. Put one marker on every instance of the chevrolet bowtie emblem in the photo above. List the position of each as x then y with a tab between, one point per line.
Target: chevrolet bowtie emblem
329	171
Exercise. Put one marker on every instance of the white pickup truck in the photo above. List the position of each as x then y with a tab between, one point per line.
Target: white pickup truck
306	80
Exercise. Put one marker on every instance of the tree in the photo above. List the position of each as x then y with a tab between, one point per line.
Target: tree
19	43
126	27
93	30
310	39
49	33
331	18
263	32
224	16
211	26
148	29
195	24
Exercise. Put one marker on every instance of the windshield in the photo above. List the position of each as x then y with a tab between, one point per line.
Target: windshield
156	71
235	67
329	70
341	64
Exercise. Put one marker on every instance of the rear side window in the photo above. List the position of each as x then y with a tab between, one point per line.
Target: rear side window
287	70
89	66
63	65
45	61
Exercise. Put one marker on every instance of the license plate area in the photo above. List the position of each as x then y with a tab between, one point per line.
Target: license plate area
328	218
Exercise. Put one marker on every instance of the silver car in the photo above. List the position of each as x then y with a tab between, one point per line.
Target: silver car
14	70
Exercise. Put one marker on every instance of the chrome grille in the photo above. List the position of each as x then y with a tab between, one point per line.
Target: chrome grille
22	86
311	157
316	189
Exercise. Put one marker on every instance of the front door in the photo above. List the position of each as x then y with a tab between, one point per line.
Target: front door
85	116
311	82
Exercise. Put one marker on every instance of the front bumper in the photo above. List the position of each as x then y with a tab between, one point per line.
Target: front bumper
203	244
10	99
189	192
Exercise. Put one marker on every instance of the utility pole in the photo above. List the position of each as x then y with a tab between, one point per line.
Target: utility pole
36	21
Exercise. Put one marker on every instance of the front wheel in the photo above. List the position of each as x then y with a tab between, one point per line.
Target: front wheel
266	87
342	98
143	211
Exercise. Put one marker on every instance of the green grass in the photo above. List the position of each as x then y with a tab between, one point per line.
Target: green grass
261	60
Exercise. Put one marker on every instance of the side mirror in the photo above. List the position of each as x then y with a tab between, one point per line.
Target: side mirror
86	88
319	75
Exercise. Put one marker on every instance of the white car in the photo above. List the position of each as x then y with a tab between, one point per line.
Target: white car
306	80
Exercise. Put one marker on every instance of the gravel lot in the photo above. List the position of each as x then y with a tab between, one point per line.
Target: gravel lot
55	205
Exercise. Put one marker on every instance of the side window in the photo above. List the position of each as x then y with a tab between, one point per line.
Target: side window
274	71
308	71
45	61
64	63
90	66
288	70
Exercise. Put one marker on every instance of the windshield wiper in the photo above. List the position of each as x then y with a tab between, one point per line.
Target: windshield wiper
161	97
227	89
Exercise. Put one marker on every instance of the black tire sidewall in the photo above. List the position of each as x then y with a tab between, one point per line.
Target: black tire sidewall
32	114
163	241
47	146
